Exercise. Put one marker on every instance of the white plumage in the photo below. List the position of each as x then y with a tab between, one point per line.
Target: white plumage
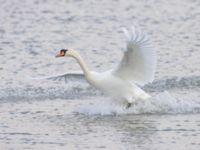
139	61
137	67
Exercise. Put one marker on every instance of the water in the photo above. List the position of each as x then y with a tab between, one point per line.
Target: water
43	114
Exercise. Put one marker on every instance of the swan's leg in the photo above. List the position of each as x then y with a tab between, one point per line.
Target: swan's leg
135	99
129	102
128	105
126	101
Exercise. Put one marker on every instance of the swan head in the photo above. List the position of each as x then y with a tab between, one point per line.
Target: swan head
66	52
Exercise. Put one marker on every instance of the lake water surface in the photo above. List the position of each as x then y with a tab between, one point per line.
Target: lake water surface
43	114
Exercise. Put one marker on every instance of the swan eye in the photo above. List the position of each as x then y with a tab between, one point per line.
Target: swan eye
63	52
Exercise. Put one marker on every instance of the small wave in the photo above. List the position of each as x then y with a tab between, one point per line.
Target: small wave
52	90
45	93
173	82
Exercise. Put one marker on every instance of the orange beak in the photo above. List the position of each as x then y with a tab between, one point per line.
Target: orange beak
61	54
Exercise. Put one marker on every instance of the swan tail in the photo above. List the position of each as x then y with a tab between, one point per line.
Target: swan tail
138	94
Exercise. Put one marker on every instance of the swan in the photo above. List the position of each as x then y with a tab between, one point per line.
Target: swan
123	83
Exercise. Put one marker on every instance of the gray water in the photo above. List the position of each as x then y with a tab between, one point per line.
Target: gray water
43	114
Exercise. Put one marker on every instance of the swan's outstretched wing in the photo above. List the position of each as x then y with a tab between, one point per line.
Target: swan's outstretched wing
139	61
67	77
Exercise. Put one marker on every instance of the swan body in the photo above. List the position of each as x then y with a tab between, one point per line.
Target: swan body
116	87
136	68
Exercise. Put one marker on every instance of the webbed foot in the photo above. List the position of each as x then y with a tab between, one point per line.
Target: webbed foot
128	105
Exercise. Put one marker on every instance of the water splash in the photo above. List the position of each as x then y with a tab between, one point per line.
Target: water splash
163	103
183	100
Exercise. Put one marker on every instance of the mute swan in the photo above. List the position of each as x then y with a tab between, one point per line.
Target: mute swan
137	67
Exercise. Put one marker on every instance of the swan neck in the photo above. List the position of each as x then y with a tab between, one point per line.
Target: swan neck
83	65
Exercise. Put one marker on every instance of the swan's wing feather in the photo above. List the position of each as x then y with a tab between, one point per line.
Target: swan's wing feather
139	61
67	77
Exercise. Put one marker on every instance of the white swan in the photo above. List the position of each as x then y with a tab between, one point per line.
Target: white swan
137	67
